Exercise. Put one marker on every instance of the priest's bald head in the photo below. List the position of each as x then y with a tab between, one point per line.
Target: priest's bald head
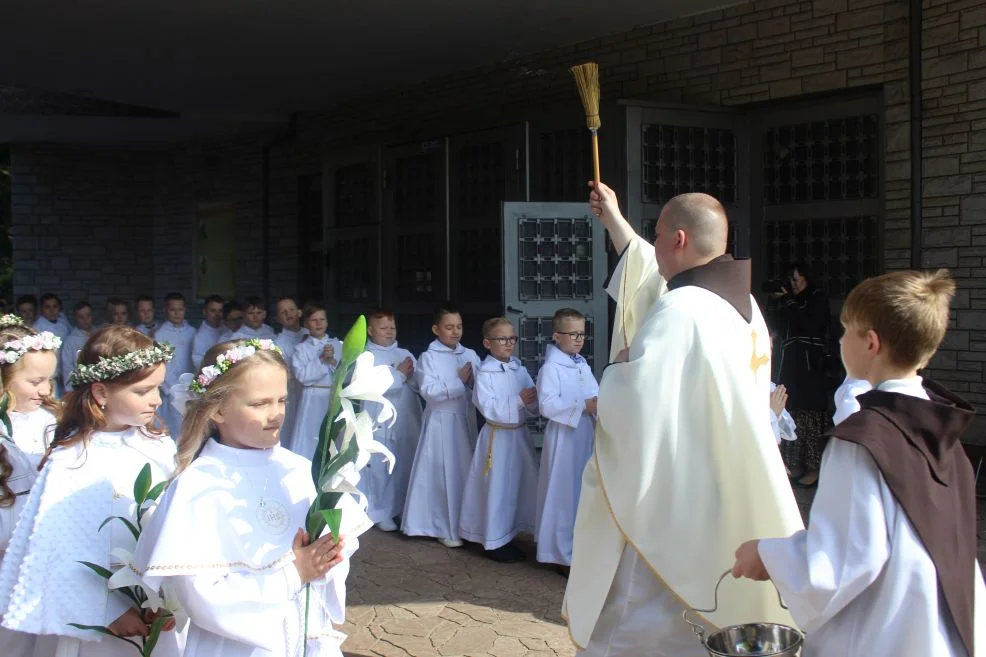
691	231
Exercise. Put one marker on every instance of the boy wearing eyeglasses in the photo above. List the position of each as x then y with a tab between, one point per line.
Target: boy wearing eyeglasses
502	480
567	392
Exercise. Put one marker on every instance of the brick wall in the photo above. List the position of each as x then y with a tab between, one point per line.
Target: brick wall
81	224
764	51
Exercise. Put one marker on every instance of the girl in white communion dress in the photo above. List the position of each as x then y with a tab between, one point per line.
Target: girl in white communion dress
226	539
106	435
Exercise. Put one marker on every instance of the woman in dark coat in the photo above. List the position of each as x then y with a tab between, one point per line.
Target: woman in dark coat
803	369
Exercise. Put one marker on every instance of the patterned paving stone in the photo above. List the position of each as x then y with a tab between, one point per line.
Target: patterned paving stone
416	598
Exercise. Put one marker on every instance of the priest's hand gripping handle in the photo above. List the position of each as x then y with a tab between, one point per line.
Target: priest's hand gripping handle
700	630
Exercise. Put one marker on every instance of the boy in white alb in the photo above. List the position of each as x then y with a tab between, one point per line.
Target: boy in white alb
73	342
887	565
254	314
497	503
146	323
386	491
445	375
180	335
211	329
53	321
291	335
313	364
567	392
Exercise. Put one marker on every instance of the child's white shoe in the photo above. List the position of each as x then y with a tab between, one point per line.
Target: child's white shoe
450	542
387	525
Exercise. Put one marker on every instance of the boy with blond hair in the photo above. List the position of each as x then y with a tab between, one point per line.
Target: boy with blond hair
887	565
503	476
567	395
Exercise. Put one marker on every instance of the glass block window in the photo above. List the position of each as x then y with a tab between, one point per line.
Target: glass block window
555	258
355	268
419	192
832	160
680	159
354	195
841	252
533	338
418	265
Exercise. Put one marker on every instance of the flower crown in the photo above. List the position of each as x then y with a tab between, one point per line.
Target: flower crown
8	320
107	369
227	359
13	350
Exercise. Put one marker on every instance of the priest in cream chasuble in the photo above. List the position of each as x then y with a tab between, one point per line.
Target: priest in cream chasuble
685	460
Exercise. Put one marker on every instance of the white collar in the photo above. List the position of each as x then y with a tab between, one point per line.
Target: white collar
493	364
436	345
556	356
373	346
912	386
234	456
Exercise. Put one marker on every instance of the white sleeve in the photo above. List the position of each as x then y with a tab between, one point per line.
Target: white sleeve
66	359
309	369
433	387
845	398
494	402
821	569
552	404
245	607
200	345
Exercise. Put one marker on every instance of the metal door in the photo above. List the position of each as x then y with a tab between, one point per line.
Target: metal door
674	149
486	169
415	253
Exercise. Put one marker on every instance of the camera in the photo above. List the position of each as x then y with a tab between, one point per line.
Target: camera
773	286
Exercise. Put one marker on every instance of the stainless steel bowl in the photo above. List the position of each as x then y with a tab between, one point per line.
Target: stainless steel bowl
749	639
755	640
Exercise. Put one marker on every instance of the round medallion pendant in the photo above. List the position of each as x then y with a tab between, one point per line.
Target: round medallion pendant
272	516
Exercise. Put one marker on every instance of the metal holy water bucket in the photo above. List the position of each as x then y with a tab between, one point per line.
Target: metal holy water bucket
750	639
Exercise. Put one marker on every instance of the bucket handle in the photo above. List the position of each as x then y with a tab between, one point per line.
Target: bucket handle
698	629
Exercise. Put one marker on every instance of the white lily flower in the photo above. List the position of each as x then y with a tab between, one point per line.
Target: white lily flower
126	576
369	383
170	602
360	427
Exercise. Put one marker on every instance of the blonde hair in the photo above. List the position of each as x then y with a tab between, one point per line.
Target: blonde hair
563	314
907	309
81	415
197	426
9	370
492	323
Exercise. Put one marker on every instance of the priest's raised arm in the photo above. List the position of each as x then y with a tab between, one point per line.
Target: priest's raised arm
636	283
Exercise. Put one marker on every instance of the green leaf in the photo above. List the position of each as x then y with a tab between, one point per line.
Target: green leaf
333	518
133	529
4	415
142	484
155	633
317	457
106	631
355	342
99	570
155	492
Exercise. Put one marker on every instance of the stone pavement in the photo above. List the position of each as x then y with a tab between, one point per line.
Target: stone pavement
414	597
